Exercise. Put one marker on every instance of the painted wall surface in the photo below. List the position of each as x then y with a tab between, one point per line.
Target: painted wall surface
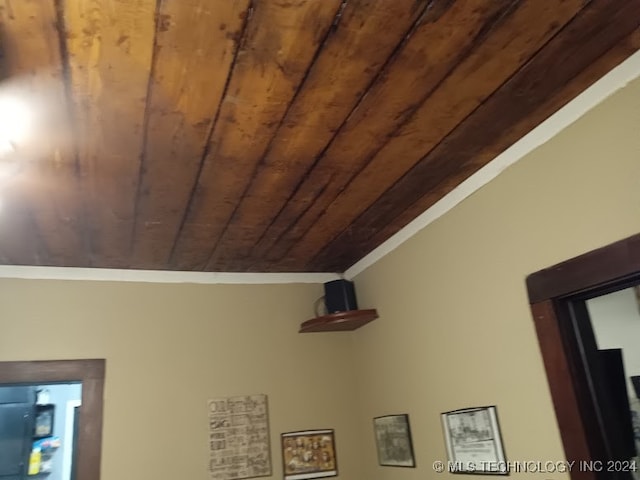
455	329
615	319
169	348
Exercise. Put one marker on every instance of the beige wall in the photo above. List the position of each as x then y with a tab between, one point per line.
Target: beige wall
171	347
454	329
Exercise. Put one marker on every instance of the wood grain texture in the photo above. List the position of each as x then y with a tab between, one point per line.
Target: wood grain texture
269	135
597	267
411	77
20	240
502	119
280	43
47	183
110	46
195	46
52	371
365	37
589	75
507	48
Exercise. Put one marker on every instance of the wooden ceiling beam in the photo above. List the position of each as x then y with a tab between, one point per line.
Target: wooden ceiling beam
110	44
280	44
493	58
196	45
595	41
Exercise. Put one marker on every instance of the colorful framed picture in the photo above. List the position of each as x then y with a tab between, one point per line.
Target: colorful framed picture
393	441
473	441
309	454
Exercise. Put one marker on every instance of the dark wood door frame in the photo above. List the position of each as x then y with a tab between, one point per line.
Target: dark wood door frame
91	373
554	294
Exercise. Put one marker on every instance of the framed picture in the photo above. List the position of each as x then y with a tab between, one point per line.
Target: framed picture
473	441
309	454
239	445
393	441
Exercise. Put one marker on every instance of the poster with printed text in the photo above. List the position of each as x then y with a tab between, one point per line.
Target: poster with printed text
239	437
473	441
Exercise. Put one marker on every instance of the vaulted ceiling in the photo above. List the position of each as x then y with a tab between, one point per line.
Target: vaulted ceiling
272	135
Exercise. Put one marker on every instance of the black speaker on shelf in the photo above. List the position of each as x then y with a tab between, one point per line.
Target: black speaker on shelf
340	296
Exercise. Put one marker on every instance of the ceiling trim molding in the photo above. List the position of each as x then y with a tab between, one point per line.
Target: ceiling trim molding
158	276
610	83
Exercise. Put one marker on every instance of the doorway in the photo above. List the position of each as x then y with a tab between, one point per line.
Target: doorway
36	430
585	401
86	422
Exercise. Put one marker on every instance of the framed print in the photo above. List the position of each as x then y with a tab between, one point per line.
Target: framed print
473	441
393	441
309	454
239	445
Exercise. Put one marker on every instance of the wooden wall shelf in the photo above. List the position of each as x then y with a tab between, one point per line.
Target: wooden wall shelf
339	322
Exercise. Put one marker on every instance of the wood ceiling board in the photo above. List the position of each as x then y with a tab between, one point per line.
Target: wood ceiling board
20	241
524	101
325	121
594	71
416	71
48	179
196	43
110	45
503	51
351	58
280	43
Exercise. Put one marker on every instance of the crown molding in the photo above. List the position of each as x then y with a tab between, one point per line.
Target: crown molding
159	276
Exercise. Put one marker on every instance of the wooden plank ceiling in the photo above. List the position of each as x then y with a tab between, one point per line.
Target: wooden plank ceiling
273	135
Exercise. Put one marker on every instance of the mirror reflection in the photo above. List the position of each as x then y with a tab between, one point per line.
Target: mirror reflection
38	431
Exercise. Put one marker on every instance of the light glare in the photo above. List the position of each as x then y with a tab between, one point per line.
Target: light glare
15	123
